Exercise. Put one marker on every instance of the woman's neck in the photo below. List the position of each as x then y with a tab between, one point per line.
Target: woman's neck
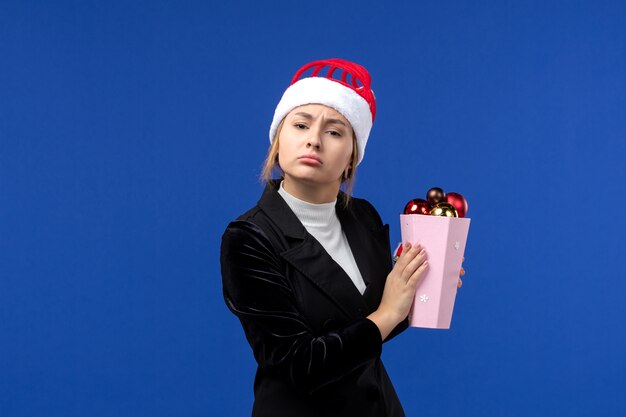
311	193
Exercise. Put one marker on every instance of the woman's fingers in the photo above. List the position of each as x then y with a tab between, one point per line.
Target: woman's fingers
408	253
401	259
418	274
413	265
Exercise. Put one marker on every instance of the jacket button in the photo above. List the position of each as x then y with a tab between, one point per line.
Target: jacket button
372	394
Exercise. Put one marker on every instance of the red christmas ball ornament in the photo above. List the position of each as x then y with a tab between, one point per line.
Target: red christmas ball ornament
398	252
417	206
435	195
459	202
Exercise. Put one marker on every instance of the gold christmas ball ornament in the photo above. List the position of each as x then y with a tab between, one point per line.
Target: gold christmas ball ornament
444	209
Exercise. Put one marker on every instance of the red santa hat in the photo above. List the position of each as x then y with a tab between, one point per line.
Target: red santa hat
346	87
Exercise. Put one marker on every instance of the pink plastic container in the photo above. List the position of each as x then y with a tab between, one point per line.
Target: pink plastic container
444	239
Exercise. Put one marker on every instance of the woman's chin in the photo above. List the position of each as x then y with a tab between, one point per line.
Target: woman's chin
310	179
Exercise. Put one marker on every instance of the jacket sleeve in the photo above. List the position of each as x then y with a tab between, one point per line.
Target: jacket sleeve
256	290
402	326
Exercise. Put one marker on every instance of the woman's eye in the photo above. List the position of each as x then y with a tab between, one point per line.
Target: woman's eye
300	126
334	133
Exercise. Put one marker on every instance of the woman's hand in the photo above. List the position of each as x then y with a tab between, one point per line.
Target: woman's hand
460	283
400	289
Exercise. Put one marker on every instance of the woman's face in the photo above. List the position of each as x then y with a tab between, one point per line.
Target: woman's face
315	145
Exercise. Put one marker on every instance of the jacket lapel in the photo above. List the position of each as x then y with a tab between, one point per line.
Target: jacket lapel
371	253
310	258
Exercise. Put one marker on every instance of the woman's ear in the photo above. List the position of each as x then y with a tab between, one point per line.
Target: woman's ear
347	172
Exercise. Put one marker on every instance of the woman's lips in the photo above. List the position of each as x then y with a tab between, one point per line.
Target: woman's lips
310	160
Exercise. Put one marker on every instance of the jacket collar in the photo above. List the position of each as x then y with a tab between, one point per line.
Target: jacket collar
276	207
307	255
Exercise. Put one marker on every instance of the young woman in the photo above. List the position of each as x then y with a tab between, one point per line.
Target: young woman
308	270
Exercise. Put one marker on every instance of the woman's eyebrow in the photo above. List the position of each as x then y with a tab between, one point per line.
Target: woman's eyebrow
335	121
304	114
308	116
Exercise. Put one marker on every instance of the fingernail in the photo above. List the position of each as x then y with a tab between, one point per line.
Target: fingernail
407	245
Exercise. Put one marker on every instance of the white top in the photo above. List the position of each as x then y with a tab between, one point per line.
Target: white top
321	221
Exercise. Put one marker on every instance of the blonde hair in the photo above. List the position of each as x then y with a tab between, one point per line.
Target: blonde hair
271	165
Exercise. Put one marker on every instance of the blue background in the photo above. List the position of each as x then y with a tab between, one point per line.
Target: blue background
132	132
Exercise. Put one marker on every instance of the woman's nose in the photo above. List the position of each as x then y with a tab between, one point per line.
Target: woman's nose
313	144
314	140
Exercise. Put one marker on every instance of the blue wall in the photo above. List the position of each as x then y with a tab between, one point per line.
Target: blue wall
132	132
